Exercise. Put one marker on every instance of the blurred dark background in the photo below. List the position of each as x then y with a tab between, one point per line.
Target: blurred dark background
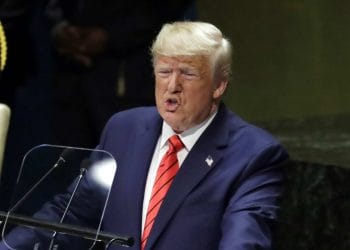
291	57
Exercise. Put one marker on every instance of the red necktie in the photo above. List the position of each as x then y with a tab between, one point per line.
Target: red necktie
166	172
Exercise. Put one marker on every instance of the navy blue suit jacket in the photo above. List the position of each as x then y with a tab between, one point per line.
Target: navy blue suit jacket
229	204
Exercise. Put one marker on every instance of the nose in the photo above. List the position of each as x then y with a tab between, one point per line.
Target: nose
174	84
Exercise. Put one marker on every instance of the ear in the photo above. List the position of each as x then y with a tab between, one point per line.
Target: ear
220	89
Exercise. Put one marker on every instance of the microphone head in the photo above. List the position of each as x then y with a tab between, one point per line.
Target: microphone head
67	152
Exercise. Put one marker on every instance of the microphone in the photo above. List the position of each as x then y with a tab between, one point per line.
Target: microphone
83	170
88	169
60	162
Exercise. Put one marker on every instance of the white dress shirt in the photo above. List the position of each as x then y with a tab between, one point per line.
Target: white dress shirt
188	138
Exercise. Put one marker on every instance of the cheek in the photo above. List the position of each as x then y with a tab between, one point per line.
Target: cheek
200	95
195	102
160	84
158	89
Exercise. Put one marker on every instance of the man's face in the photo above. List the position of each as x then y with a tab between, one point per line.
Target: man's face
186	93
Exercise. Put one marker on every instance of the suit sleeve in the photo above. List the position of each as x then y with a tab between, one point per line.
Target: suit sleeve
252	210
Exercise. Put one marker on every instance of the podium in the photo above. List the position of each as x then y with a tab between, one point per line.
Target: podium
59	201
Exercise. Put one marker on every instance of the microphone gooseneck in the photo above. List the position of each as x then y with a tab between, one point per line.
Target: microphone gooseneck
60	162
83	170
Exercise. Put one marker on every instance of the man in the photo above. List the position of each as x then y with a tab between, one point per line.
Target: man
227	177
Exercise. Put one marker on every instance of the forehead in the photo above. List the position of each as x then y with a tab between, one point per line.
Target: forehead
197	61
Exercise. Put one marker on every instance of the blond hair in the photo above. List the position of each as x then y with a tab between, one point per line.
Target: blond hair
195	38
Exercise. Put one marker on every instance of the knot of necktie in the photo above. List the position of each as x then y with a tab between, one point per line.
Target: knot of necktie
175	144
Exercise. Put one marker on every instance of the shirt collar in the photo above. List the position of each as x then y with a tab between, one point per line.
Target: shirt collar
188	137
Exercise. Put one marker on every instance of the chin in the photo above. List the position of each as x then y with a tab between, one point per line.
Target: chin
173	123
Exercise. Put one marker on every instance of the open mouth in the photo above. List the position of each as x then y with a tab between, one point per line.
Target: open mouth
171	104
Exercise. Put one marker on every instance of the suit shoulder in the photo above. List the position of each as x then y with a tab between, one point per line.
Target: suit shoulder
130	121
135	115
125	123
253	142
251	135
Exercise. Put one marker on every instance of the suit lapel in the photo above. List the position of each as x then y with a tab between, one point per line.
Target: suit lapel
140	158
203	157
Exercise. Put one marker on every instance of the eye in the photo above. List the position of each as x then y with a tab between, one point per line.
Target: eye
163	72
190	74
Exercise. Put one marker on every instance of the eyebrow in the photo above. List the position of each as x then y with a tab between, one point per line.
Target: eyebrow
186	66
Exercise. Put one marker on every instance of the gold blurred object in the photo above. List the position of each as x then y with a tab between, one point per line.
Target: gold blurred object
3	48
